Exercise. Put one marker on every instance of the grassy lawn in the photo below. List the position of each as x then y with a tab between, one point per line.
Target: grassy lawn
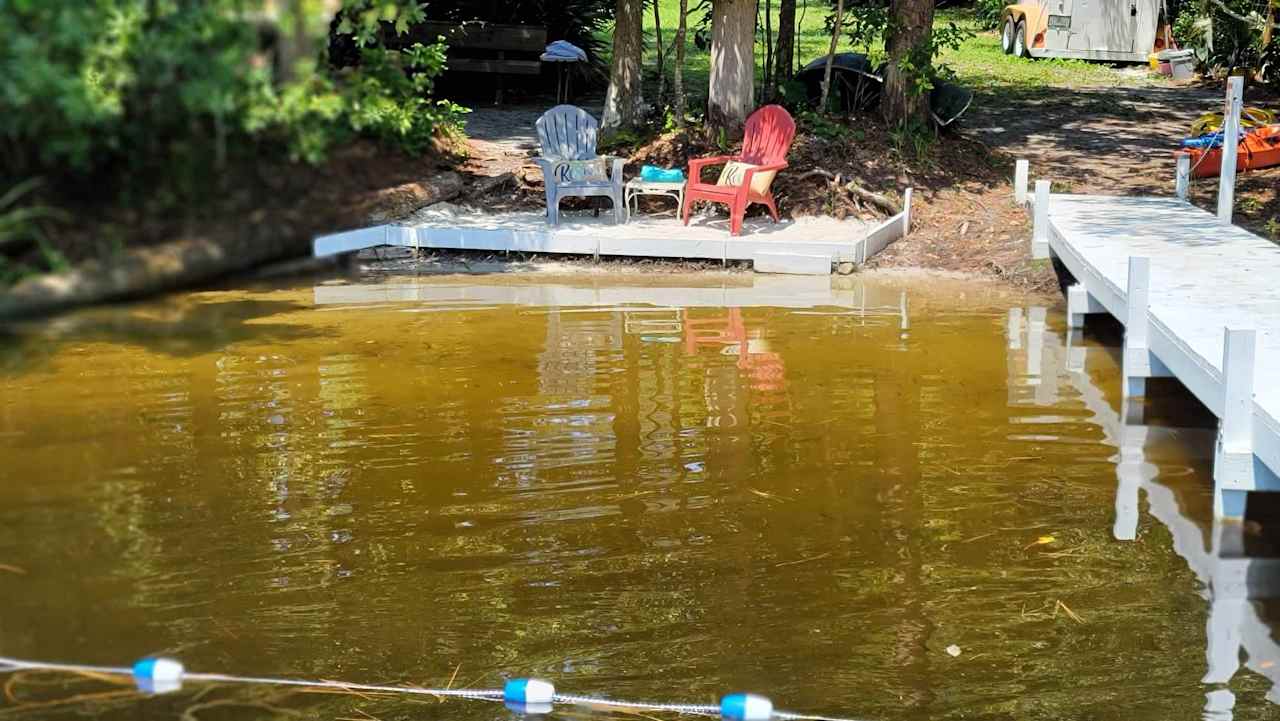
978	63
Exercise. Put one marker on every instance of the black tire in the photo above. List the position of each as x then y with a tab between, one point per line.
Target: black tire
1020	40
1006	36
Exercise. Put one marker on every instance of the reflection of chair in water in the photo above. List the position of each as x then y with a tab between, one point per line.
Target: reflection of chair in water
765	370
1234	582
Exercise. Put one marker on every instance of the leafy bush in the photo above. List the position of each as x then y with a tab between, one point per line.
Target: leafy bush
160	94
1236	42
987	13
387	97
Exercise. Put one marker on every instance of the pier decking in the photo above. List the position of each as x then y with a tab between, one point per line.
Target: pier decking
802	246
1200	301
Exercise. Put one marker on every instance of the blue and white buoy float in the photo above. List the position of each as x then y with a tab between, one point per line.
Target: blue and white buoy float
524	695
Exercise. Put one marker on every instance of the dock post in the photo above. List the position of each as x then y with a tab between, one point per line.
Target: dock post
1182	184
1233	457
1230	148
1035	344
1080	304
1021	169
1137	353
1040	222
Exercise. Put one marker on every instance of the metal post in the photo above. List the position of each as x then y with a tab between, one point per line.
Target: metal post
1040	227
1230	147
1182	184
1021	168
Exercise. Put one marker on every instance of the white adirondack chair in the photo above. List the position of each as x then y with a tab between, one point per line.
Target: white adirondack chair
570	166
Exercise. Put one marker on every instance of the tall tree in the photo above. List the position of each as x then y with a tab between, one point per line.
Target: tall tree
623	102
908	44
785	51
731	93
831	55
657	36
682	103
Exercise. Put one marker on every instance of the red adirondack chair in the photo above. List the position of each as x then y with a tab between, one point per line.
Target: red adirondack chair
765	143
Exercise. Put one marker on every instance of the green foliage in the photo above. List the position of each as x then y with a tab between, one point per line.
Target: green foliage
913	140
827	128
867	23
1236	42
161	94
363	19
387	98
22	222
987	13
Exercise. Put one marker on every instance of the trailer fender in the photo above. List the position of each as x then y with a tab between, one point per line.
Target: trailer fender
1035	17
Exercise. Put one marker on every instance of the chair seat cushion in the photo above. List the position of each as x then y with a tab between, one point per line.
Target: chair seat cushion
734	172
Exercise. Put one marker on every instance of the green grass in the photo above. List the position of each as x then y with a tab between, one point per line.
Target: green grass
978	63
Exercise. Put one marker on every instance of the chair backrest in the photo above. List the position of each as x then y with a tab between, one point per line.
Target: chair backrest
768	135
567	132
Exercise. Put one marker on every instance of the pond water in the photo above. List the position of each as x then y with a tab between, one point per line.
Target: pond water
884	497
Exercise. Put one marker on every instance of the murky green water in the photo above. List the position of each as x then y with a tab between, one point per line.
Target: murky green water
646	488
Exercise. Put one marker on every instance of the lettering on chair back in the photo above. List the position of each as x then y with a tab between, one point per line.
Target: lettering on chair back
579	172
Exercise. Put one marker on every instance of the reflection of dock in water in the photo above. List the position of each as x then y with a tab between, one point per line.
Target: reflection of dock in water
1235	583
810	294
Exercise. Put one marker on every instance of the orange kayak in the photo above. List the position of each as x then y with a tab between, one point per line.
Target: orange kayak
1259	149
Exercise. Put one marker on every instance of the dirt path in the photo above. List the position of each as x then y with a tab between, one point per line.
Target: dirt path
1107	140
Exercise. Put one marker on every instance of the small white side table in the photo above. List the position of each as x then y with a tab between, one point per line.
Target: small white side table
637	187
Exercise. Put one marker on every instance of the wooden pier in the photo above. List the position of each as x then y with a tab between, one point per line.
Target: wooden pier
1200	302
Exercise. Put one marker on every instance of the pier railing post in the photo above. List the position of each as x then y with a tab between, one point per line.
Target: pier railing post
1233	459
1137	353
1040	222
1182	183
1230	147
1021	169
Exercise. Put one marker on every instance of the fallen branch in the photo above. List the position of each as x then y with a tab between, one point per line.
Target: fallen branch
488	185
883	203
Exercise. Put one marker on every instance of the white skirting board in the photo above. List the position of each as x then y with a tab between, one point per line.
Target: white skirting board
792	246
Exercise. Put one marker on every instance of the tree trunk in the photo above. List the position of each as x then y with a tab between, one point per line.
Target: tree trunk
730	95
682	103
907	44
831	55
785	50
767	86
657	35
623	102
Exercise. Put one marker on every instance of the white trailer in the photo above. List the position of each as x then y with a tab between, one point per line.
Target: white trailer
1113	30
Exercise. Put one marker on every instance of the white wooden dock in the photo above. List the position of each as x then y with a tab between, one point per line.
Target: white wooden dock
803	246
1200	301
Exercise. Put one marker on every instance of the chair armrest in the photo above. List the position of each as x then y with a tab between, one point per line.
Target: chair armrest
616	165
697	164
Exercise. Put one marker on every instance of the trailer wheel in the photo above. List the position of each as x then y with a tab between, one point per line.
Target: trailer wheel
1006	36
1020	40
